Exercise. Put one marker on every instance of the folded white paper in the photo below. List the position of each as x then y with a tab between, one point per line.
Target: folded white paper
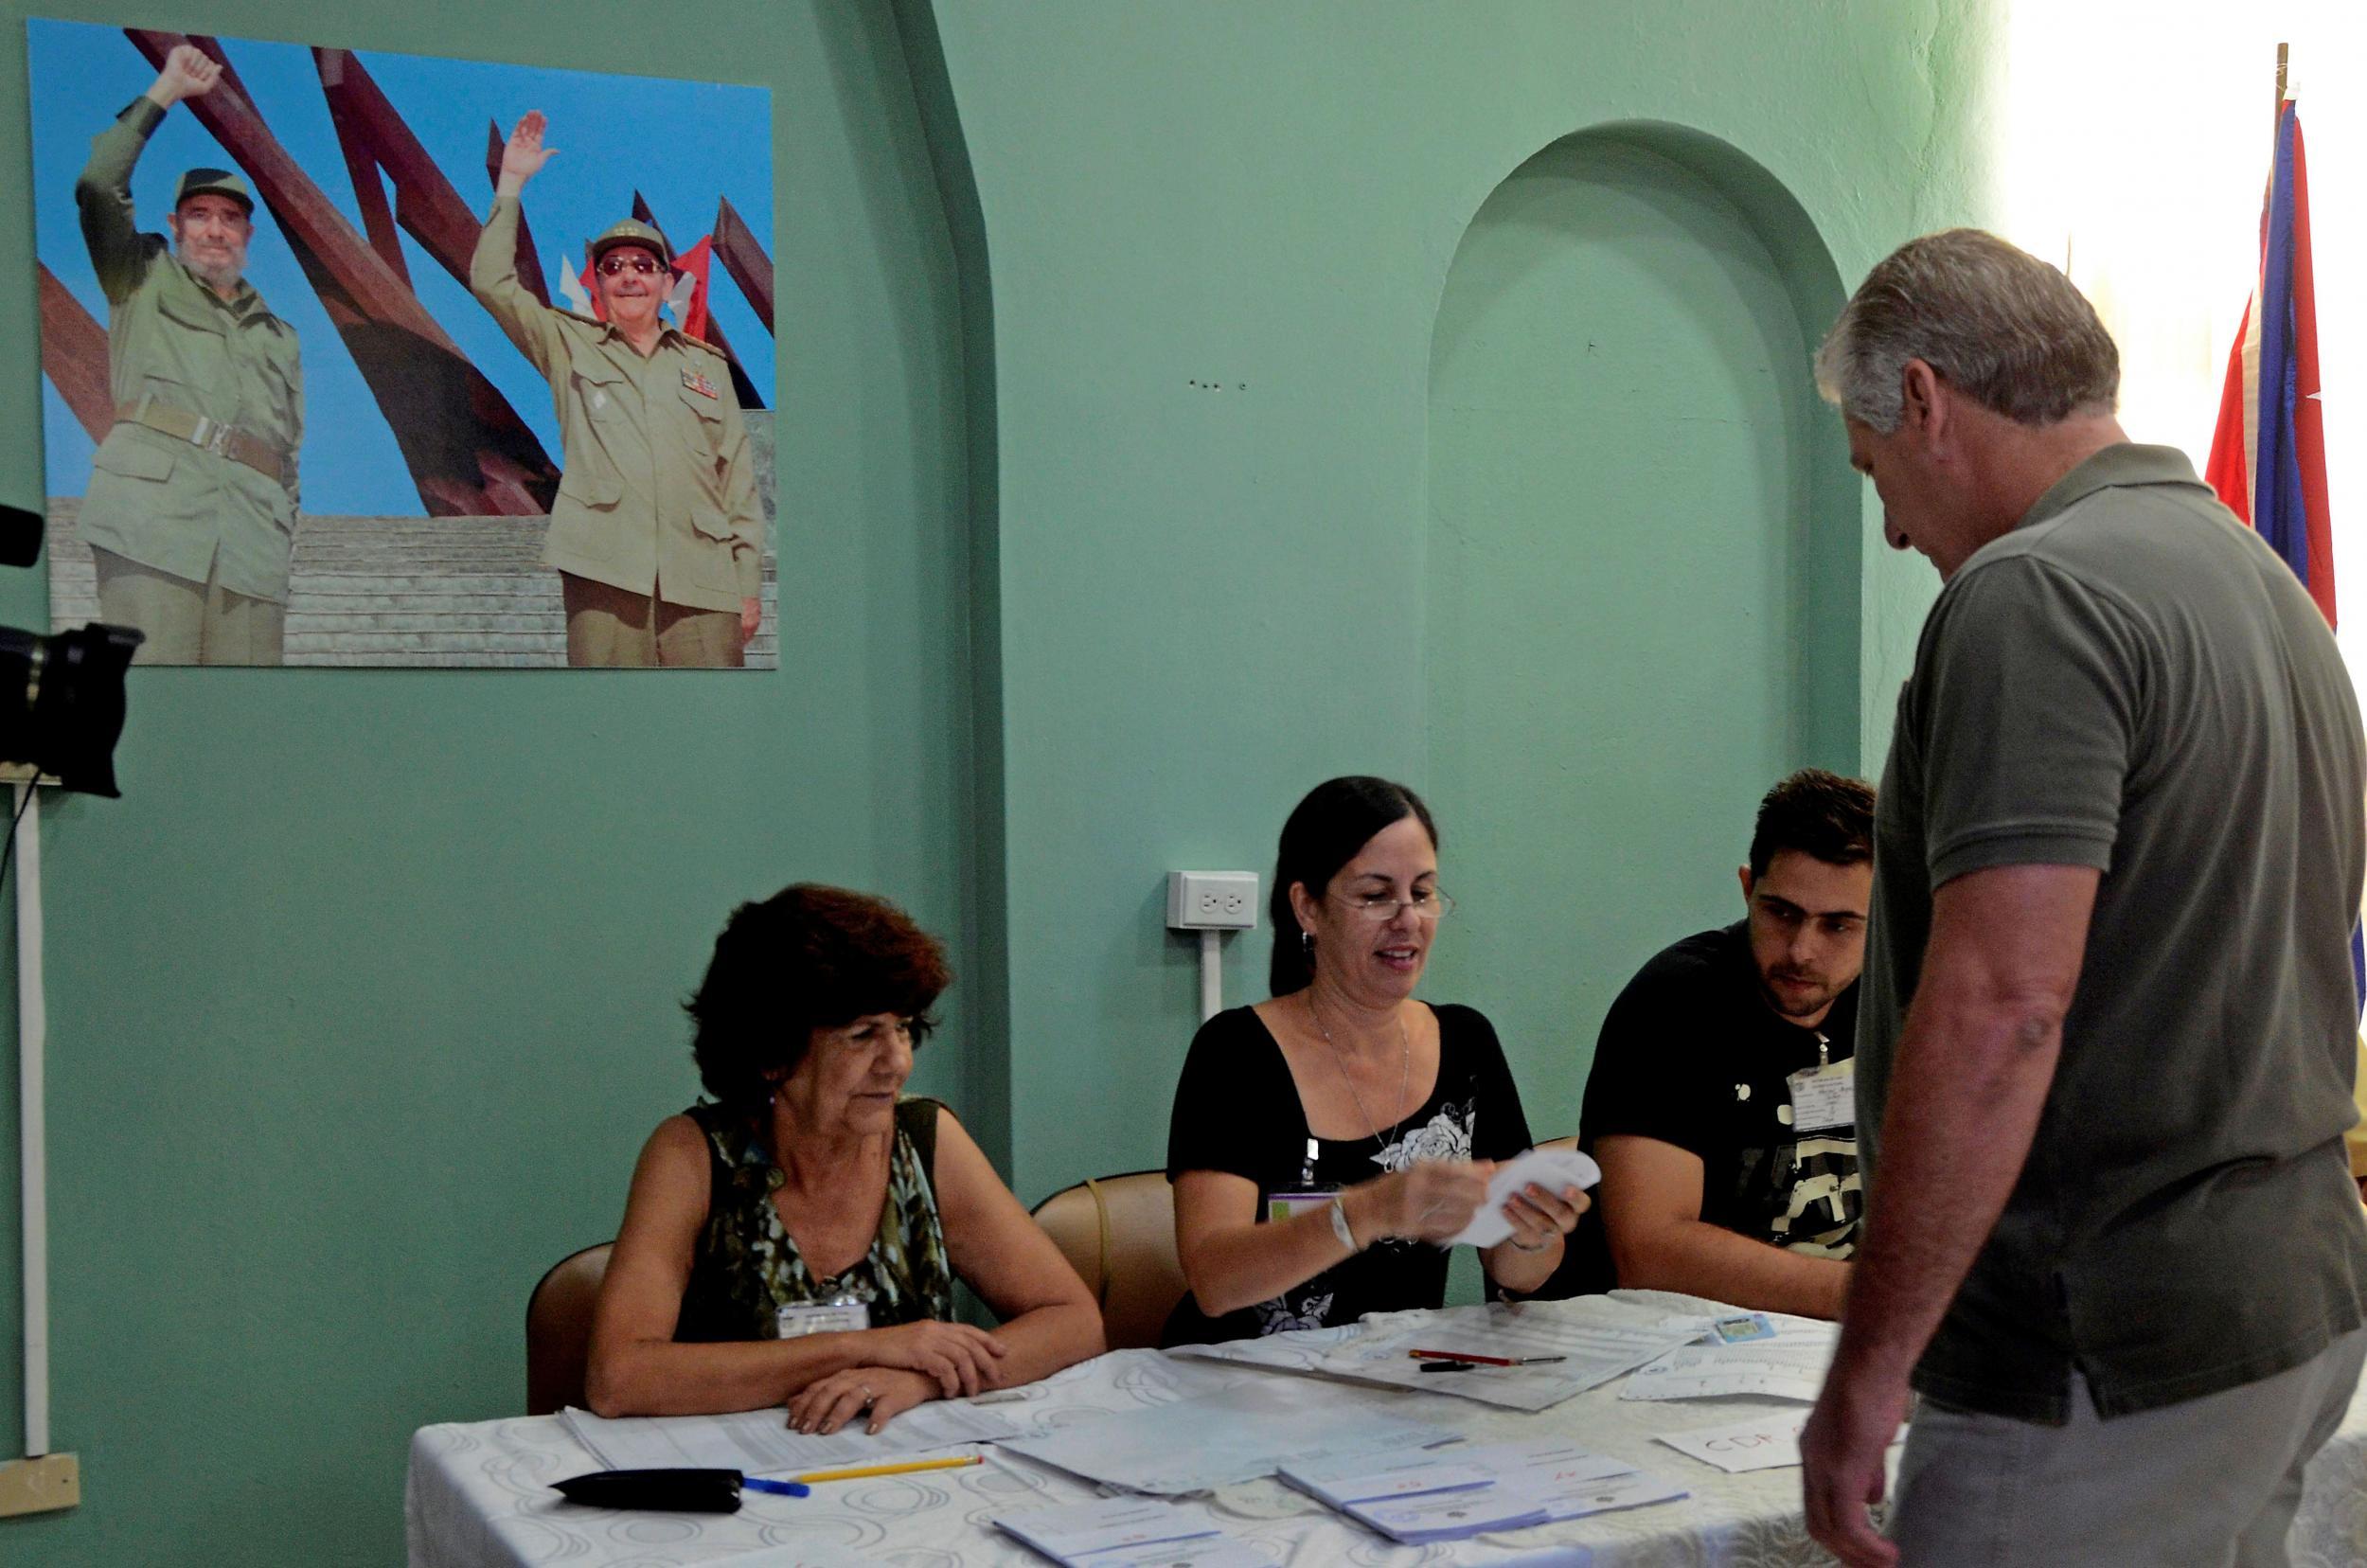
1763	1442
1079	1530
1551	1168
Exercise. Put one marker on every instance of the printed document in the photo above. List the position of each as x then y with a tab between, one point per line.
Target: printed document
760	1443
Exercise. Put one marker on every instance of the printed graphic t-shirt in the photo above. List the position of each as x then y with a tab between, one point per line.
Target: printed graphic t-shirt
1238	1111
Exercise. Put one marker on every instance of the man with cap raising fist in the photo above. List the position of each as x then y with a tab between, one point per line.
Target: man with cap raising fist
657	531
190	514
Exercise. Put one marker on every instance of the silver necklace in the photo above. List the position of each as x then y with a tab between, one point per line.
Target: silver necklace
1405	1069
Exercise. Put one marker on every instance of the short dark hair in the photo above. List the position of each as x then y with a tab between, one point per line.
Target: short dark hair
1324	831
1816	813
809	957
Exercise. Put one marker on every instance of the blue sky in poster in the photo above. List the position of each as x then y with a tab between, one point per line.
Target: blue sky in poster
681	143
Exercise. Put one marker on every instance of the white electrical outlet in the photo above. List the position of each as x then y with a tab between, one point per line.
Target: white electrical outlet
1212	900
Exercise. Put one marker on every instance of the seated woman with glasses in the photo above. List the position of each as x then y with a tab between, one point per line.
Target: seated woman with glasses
1325	1141
795	1239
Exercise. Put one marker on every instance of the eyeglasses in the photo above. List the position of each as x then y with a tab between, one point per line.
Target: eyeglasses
612	265
1379	908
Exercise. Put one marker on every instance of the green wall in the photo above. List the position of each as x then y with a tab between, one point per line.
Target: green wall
1221	237
1109	466
364	994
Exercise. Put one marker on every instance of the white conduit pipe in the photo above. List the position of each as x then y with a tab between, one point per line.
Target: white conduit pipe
32	1030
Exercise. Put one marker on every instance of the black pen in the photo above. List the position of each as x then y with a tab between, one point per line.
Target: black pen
1450	1366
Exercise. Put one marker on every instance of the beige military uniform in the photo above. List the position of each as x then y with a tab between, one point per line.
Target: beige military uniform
196	481
659	495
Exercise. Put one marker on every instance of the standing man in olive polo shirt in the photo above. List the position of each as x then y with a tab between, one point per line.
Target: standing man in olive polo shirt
190	514
2105	1037
657	531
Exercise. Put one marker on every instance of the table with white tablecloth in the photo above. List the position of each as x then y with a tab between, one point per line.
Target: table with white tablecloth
478	1495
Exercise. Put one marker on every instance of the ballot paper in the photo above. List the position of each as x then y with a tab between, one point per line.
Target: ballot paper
1379	1477
1763	1442
1789	1367
1451	1515
1199	1552
761	1442
1551	1168
1239	1433
1076	1533
1591	1352
1567	1481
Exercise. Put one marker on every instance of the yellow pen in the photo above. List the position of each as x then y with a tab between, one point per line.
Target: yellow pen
865	1471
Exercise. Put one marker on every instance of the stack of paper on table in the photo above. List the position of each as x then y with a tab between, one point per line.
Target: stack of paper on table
1789	1367
761	1442
1237	1434
1118	1532
1420	1497
1591	1352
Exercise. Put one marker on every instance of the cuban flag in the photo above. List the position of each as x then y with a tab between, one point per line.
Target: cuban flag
2269	453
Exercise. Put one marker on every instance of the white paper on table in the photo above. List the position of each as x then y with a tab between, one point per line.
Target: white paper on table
1080	1529
1763	1442
1551	1168
1593	1354
1790	1367
1372	1477
1237	1434
1569	1481
1451	1516
760	1443
1199	1552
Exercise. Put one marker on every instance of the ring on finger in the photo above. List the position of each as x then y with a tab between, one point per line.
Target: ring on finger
869	1398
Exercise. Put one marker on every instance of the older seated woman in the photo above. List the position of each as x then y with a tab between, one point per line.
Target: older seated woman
1327	1140
797	1239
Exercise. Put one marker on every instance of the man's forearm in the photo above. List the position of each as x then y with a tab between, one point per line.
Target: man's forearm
1694	1257
1967	1086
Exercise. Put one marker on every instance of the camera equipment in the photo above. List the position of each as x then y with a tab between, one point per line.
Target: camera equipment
60	697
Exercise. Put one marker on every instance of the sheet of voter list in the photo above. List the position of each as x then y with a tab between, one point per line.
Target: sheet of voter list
1240	1433
1590	1340
761	1442
1787	1365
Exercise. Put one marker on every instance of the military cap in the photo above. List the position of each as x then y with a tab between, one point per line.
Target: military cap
213	182
633	232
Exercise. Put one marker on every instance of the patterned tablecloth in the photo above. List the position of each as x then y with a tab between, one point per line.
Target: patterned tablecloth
478	1494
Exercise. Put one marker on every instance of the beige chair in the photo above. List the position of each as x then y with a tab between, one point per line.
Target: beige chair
1119	1234
559	1328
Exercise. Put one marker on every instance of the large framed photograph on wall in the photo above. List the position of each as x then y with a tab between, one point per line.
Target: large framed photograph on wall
372	359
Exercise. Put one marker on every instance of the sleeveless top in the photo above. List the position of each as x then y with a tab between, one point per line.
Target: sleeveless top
745	1265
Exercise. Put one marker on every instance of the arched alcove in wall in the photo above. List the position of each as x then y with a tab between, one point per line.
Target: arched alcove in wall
1644	569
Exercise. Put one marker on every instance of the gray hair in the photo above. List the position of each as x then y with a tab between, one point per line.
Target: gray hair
1998	324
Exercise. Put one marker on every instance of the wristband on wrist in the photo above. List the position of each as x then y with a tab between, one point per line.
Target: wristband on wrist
1539	1248
1339	1226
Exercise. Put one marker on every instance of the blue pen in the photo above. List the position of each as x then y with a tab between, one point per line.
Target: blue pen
779	1489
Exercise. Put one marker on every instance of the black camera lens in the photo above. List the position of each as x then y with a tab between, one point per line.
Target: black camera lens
62	702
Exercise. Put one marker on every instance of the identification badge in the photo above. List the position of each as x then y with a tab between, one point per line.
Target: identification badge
1743	1328
699	384
1284	1206
1824	1097
831	1317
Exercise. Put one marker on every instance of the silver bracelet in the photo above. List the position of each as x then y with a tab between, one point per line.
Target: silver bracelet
1339	1226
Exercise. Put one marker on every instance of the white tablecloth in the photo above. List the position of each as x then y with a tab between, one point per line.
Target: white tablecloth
478	1494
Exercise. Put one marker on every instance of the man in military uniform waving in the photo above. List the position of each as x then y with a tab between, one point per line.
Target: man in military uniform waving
190	514
657	531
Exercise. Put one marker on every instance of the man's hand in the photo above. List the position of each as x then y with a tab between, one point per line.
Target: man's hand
524	155
189	72
751	612
1841	1451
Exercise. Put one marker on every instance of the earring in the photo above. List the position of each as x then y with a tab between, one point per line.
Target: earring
1307	942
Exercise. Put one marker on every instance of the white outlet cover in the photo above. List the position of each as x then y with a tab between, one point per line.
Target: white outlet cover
1212	900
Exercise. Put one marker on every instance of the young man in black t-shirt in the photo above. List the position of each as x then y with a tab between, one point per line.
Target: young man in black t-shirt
1720	1105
